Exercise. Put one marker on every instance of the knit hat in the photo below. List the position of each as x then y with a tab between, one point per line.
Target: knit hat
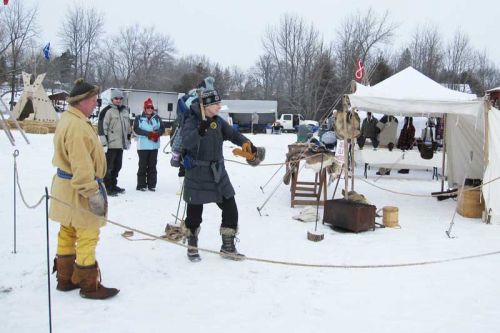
210	97
82	90
209	93
148	103
116	93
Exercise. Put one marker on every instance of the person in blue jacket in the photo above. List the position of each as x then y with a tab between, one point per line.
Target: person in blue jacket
149	128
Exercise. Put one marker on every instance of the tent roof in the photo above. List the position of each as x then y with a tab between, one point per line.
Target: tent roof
250	106
410	92
494	89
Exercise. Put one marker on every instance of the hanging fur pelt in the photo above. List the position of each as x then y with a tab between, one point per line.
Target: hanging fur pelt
347	121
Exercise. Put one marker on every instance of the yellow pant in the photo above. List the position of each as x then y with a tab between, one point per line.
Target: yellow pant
79	241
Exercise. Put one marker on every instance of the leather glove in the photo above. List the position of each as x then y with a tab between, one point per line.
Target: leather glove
153	136
98	203
202	129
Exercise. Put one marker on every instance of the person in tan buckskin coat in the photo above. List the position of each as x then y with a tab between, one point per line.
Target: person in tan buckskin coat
81	166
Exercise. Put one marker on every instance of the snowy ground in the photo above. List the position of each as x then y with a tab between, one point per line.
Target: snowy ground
162	291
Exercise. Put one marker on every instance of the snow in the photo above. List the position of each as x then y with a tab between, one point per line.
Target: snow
162	291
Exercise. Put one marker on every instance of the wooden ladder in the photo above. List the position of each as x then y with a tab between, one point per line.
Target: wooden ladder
308	189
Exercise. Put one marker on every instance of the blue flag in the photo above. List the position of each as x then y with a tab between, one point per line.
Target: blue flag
46	51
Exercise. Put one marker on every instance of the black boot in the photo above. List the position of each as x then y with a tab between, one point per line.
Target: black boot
228	249
192	239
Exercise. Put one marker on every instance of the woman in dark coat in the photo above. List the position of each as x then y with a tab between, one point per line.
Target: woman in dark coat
206	179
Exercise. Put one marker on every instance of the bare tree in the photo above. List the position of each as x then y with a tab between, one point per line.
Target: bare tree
294	48
427	52
458	59
485	73
80	34
358	36
265	73
459	54
19	24
138	57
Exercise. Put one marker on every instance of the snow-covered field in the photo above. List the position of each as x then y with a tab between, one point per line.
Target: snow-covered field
161	291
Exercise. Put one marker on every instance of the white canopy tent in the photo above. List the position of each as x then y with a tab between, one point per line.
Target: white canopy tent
410	93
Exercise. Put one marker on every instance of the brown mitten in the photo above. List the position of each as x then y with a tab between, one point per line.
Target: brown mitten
245	151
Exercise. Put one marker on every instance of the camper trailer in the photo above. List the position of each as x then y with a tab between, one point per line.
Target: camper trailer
165	102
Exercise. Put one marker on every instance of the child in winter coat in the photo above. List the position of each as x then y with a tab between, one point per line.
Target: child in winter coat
149	128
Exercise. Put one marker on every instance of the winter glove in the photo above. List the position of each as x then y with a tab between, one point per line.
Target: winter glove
253	155
98	203
202	129
153	136
259	156
246	151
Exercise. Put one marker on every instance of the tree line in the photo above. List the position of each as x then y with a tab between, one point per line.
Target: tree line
297	67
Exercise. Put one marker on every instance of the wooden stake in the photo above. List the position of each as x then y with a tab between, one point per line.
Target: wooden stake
315	236
199	92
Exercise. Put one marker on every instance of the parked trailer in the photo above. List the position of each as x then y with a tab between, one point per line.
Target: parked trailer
242	113
165	102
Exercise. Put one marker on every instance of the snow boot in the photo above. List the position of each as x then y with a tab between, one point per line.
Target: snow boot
63	265
192	251
228	249
89	279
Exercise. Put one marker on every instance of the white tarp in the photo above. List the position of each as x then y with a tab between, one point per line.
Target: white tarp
464	138
493	169
411	93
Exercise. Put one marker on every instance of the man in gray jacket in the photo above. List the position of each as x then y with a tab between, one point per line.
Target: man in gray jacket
206	179
114	133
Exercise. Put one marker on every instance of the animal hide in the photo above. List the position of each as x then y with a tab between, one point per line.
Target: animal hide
308	214
356	197
312	154
347	121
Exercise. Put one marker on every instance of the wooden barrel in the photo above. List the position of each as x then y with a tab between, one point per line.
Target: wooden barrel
470	203
390	217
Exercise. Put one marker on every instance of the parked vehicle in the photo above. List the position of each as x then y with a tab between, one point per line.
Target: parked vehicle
290	122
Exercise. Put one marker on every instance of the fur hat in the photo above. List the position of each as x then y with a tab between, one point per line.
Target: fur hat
81	91
148	103
116	93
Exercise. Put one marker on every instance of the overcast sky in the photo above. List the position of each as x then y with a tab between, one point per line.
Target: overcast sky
230	31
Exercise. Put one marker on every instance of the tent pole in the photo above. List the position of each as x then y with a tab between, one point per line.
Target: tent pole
351	148
444	153
487	107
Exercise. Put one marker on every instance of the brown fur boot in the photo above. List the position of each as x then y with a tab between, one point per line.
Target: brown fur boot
63	265
89	279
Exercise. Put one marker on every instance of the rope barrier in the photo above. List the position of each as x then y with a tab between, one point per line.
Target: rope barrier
261	260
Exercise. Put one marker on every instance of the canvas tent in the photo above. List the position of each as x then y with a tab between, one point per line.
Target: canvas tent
34	103
410	93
